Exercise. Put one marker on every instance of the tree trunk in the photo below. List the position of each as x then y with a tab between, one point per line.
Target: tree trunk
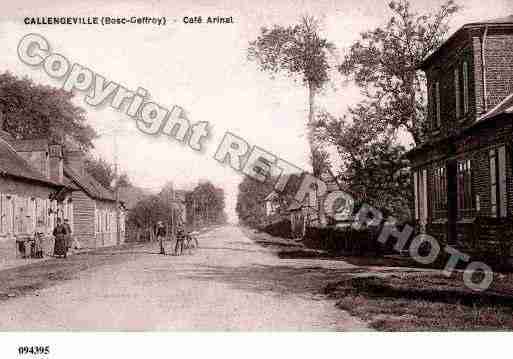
310	128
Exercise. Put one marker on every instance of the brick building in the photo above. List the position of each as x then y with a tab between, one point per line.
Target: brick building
463	177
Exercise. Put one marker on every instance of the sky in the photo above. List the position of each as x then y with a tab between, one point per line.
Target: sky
202	68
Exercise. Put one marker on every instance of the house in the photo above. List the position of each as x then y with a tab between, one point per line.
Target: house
462	173
312	212
89	207
95	209
31	196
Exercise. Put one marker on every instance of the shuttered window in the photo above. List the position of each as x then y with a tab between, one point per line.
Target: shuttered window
421	205
438	118
465	88
457	92
498	190
464	183
439	193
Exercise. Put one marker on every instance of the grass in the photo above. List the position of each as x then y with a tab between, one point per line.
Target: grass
425	302
419	300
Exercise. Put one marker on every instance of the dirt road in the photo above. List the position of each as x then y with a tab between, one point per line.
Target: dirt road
230	283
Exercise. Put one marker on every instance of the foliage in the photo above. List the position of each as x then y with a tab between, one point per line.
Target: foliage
250	206
30	110
300	52
101	170
384	62
373	167
206	204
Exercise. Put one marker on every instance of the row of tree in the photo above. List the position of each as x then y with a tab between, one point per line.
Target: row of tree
202	206
383	63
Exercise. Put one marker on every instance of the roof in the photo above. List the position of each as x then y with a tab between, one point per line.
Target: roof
89	185
498	21
507	20
504	107
12	164
271	196
30	145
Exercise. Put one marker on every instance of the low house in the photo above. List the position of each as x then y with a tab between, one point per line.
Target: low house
98	219
463	172
31	197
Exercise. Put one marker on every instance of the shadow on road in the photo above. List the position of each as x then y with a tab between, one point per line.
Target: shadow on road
279	279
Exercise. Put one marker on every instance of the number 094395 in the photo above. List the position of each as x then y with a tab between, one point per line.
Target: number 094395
34	350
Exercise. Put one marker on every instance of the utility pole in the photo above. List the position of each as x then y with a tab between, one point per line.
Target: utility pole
116	179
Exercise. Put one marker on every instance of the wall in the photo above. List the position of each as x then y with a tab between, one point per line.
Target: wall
84	219
499	66
23	191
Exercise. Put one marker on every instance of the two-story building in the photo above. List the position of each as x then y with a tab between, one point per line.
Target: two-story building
462	173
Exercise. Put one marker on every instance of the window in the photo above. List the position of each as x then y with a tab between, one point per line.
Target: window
465	88
498	193
457	92
440	192
420	187
464	183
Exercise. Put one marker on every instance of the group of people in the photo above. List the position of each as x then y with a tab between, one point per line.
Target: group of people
181	236
63	240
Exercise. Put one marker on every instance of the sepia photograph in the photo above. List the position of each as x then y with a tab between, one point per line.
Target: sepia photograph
295	167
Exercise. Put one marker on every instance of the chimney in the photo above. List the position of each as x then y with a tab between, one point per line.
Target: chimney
56	163
75	159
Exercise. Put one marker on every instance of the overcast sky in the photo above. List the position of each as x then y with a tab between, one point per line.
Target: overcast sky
202	68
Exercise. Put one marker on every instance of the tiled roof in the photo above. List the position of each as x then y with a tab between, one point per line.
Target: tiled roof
88	184
11	163
30	145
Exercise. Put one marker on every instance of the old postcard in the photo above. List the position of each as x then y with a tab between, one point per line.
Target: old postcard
239	166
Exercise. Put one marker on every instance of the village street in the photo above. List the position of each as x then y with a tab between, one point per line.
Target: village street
229	283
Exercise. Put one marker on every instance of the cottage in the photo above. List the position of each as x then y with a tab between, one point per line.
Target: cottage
95	209
462	173
30	200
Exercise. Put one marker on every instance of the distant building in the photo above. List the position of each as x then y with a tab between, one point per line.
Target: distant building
463	171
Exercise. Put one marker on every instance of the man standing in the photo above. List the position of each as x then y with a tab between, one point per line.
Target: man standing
161	234
69	239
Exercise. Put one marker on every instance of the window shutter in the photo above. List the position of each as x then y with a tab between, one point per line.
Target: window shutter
416	193
465	87
437	109
424	196
457	91
503	195
493	184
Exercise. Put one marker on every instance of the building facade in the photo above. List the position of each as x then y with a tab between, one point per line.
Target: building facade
30	200
462	173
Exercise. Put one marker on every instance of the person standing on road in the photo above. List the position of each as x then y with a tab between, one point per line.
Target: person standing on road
68	235
161	234
59	233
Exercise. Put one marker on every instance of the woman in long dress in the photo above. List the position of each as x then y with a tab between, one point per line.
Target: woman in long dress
60	234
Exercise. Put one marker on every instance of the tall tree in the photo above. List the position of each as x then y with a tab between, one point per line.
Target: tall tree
299	51
384	61
30	110
100	169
